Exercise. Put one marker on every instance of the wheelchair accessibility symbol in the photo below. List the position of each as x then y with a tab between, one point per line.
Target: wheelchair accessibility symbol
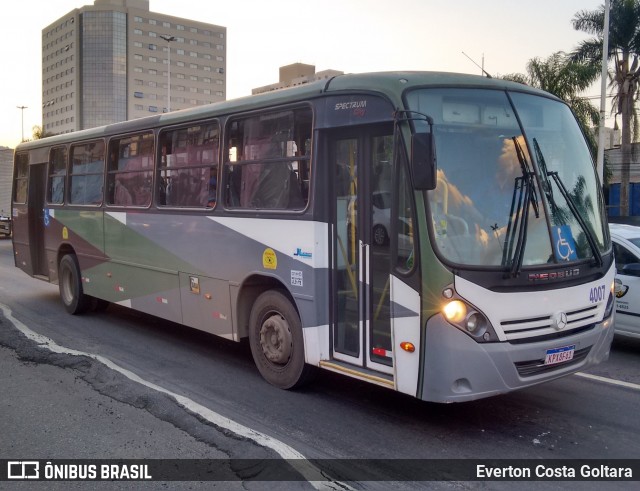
564	245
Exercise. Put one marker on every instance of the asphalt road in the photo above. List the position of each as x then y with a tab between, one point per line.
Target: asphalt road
333	418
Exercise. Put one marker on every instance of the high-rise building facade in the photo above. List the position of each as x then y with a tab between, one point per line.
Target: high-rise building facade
109	62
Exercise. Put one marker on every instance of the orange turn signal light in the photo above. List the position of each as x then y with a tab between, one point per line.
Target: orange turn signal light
407	346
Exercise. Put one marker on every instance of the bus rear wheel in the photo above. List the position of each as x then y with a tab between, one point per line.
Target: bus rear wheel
276	341
70	284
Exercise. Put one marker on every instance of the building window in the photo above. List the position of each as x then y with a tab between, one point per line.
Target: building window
138	31
138	95
153	109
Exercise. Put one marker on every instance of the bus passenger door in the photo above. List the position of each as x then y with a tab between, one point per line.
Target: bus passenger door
37	185
361	165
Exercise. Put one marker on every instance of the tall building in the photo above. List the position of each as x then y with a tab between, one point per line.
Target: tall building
109	62
6	172
296	74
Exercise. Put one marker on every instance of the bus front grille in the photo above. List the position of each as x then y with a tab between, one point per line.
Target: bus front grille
536	367
524	329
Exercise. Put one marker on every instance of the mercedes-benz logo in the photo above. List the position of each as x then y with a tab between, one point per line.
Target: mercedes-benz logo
560	321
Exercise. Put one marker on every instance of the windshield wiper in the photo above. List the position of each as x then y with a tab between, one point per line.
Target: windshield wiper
572	206
524	195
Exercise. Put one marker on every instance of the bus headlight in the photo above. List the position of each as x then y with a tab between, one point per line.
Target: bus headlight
468	319
455	311
608	310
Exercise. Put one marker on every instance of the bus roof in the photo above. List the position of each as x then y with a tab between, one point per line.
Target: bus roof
391	84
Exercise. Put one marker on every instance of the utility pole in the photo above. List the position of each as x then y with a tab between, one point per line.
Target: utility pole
168	39
603	91
22	108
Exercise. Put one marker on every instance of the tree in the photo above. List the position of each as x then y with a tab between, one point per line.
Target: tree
565	79
39	133
624	52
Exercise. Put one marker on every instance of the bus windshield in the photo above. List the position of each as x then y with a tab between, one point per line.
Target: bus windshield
515	183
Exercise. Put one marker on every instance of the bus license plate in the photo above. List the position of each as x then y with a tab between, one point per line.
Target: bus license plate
559	355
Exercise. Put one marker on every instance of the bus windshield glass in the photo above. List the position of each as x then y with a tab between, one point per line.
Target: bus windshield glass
515	180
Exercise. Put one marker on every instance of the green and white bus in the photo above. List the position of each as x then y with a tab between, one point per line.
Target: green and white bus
442	235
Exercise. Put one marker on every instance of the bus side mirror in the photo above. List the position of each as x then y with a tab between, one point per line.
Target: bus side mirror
423	161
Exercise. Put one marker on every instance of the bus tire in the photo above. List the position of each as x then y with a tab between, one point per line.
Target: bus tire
70	285
276	340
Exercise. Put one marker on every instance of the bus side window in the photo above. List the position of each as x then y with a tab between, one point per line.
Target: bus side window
188	168
130	170
57	175
21	174
268	160
87	173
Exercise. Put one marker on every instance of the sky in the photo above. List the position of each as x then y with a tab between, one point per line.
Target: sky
353	36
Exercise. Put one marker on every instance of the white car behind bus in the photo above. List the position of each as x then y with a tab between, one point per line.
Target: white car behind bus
626	246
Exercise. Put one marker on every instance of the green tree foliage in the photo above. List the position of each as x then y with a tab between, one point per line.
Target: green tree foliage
624	78
565	79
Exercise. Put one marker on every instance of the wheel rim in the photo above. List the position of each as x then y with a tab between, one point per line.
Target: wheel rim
67	286
276	340
379	235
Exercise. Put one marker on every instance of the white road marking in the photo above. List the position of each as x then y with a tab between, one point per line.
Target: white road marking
310	472
611	381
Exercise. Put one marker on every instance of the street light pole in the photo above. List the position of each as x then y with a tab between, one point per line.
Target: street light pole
168	39
603	91
22	108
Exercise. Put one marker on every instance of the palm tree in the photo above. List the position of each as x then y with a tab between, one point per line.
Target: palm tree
624	51
565	79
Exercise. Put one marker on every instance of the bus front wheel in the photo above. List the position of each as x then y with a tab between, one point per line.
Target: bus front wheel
276	341
70	284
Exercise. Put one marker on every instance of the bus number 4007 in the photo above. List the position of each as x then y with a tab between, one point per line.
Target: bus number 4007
597	294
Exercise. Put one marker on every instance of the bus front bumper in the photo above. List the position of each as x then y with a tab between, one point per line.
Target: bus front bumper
457	368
